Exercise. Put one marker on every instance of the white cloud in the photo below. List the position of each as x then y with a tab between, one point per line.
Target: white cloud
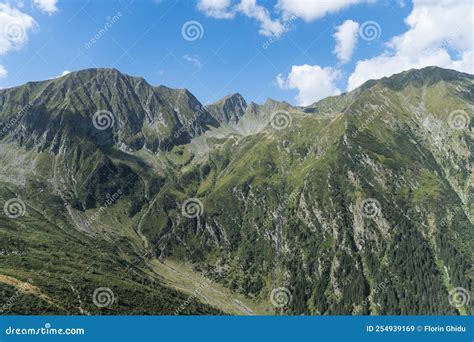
346	36
219	9
440	33
223	9
281	81
312	82
268	27
64	73
194	59
3	72
47	6
288	9
14	26
311	10
306	9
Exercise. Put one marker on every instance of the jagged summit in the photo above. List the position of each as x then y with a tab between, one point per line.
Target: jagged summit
151	117
228	109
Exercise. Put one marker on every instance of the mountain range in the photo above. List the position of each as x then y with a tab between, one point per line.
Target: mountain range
125	198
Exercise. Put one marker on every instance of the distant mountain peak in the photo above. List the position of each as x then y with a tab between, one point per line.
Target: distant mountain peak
416	77
228	109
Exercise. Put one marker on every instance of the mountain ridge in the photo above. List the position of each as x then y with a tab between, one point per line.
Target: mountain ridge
327	201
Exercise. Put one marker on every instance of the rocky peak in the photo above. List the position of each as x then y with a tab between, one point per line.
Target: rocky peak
228	109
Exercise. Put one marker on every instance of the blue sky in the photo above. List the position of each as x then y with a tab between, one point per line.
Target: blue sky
262	49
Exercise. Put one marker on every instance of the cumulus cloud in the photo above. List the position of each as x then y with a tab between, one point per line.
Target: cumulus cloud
64	73
440	33
14	26
220	9
346	36
306	9
312	82
311	10
3	72
268	27
223	9
47	6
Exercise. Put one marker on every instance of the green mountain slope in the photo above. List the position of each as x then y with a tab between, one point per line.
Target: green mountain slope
358	204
